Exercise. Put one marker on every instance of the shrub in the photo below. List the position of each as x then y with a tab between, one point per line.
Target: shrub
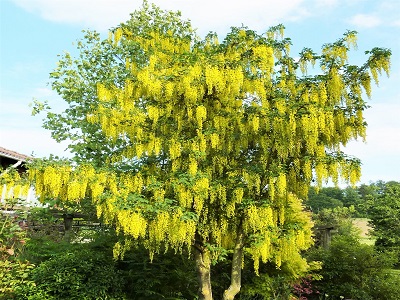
13	271
356	271
82	274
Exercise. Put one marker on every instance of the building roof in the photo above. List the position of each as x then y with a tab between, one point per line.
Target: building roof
13	155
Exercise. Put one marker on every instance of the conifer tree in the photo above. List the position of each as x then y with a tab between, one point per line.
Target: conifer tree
211	143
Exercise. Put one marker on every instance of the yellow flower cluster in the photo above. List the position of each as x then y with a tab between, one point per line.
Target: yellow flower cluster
180	232
334	86
171	230
255	123
378	66
214	79
287	244
52	181
321	173
118	35
252	181
201	115
258	218
337	53
184	196
175	149
103	93
214	139
192	167
13	185
218	194
71	184
153	113
132	223
97	185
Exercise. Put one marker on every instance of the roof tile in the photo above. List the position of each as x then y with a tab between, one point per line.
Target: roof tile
14	155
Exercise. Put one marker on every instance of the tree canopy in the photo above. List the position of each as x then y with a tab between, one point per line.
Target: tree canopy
384	211
206	145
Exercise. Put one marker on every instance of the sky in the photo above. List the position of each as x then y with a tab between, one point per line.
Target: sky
34	32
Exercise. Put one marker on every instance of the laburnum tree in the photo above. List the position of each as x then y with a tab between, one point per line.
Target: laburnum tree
206	146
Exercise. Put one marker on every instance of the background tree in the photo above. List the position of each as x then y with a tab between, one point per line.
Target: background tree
384	212
355	271
326	197
340	218
351	269
352	197
208	145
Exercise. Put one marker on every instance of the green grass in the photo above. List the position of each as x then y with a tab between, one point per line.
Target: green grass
365	237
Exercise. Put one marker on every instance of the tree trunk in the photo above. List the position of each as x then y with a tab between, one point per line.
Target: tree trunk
236	273
203	266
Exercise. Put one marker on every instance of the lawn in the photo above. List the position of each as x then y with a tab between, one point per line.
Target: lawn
362	224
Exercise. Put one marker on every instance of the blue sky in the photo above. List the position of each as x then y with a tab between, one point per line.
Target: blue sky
34	32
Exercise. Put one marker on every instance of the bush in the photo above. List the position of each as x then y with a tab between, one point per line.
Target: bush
168	276
384	211
13	271
83	274
356	271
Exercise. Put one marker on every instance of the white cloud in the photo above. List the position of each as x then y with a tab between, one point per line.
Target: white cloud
327	3
390	5
396	23
99	14
365	21
212	14
219	15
